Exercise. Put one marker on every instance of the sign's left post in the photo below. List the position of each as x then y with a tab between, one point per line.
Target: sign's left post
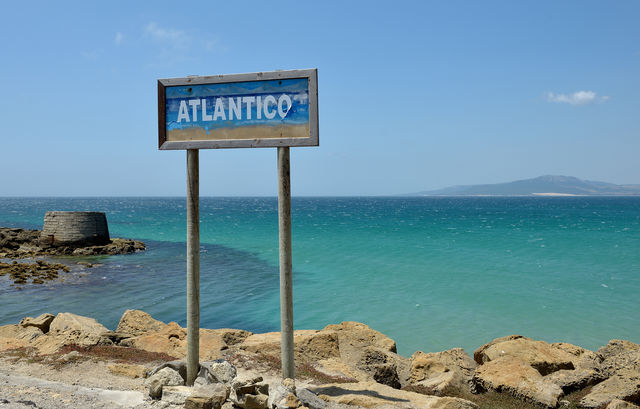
193	266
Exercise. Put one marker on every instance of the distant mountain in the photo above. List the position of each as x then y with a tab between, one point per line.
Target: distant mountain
549	185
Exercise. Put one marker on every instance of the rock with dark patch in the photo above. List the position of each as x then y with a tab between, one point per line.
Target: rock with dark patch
379	365
545	358
178	366
250	393
115	337
233	336
370	351
310	399
441	373
42	322
577	379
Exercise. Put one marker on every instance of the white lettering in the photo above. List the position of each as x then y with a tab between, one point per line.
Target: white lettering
248	101
205	116
235	107
284	98
183	113
219	111
259	107
269	100
194	108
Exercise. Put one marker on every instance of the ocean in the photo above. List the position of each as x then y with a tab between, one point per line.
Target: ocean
431	273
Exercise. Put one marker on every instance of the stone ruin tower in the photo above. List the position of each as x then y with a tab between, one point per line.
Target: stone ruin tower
74	229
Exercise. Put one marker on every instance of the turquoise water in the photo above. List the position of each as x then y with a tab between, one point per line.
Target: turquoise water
432	273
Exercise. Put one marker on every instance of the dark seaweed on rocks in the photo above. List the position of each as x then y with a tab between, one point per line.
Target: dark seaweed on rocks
19	243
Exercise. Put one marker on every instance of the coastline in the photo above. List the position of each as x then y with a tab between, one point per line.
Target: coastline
332	363
405	249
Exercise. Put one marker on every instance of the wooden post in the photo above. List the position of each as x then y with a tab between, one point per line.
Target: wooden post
193	266
286	277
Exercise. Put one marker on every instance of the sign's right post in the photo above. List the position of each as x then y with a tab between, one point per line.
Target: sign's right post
286	276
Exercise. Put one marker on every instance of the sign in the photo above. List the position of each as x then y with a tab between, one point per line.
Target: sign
264	109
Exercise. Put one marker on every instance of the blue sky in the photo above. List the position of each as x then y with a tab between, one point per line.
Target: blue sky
412	95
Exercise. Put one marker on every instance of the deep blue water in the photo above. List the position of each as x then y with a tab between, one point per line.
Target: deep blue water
432	273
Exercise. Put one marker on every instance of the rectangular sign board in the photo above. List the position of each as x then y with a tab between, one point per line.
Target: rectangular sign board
264	109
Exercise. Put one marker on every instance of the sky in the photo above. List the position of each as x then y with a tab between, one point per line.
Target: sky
413	96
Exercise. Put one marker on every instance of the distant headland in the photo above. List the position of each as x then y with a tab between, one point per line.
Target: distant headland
548	185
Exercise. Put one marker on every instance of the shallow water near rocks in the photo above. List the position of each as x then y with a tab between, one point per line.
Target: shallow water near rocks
431	273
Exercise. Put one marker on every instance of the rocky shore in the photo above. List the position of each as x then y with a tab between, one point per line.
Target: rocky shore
20	243
347	366
27	244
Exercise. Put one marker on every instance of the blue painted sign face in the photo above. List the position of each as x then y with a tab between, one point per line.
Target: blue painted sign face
279	111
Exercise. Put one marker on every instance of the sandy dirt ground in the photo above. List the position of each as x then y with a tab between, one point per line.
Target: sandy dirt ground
86	384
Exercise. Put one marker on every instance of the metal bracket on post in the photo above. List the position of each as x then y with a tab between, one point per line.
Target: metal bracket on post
286	276
193	266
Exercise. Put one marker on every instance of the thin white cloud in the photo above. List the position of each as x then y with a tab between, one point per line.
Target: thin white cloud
577	98
176	45
169	36
119	38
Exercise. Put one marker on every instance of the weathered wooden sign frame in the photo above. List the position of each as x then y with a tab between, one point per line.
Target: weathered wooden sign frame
259	134
280	110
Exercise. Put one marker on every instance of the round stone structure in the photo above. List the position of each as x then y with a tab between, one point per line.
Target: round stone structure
74	229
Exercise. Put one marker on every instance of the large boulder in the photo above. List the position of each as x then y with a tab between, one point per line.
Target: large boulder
544	357
355	335
581	357
620	364
136	323
221	370
164	377
618	355
373	394
171	339
210	396
441	373
16	336
76	328
587	370
309	345
623	385
518	378
369	354
71	329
